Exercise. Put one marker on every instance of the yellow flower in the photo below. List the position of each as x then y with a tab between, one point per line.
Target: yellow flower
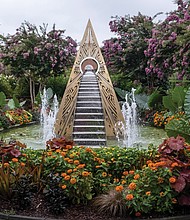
148	193
85	173
161	194
104	174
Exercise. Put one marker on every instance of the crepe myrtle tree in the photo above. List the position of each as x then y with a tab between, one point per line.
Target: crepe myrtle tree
168	49
36	54
124	54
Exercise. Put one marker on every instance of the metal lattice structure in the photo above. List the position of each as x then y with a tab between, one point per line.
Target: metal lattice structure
88	53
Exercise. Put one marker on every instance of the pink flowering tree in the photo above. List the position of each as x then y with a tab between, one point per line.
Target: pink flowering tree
168	49
124	54
36	54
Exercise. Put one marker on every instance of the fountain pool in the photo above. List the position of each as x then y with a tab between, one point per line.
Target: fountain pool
32	136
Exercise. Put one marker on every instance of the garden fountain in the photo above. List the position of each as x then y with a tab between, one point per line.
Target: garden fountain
48	116
130	129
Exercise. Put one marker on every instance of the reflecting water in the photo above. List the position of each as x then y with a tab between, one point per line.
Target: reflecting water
33	138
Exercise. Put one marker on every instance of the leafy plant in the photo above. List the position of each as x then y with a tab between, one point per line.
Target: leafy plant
174	102
155	100
55	197
187	103
2	99
175	153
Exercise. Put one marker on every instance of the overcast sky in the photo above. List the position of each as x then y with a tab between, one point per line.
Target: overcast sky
72	15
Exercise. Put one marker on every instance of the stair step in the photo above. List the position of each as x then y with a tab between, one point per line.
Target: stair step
89	132
89	119
89	139
89	126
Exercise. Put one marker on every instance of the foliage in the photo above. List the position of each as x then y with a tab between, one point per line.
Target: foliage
174	102
179	127
155	100
187	103
18	116
161	119
124	54
37	54
111	202
2	99
55	198
58	84
168	48
123	179
23	192
175	153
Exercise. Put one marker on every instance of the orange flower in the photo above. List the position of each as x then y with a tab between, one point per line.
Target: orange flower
148	161
24	155
129	197
69	147
116	180
85	173
104	174
123	182
98	166
69	171
67	177
125	173
63	154
88	149
63	186
172	179
119	188
136	177
73	180
6	165
132	186
63	174
70	161
174	200
76	162
80	166
175	164
58	151
161	194
148	193
66	159
75	169
49	153
15	160
131	171
22	164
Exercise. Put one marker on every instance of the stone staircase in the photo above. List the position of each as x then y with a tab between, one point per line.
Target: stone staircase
89	128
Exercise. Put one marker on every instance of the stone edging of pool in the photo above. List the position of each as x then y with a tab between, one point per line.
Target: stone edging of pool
18	217
18	125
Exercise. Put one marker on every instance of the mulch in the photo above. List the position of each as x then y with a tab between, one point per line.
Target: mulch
74	212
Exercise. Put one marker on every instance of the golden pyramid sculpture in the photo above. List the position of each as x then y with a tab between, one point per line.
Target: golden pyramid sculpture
88	53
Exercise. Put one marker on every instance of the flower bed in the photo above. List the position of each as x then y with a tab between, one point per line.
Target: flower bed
119	181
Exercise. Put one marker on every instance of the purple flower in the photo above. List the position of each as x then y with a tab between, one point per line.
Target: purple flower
26	55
